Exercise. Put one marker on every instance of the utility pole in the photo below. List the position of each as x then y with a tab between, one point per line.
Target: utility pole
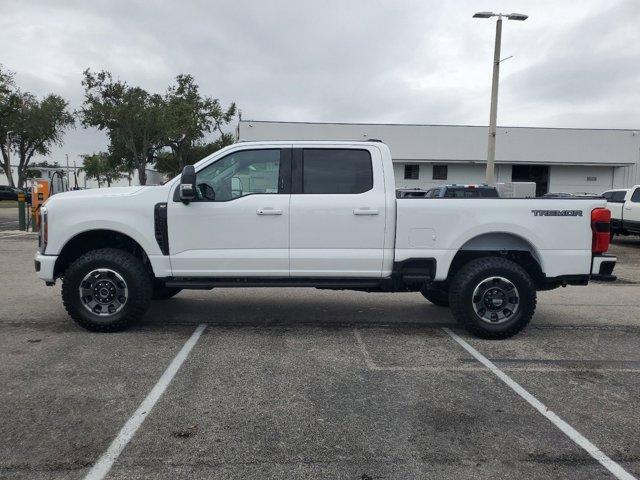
490	176
68	187
9	173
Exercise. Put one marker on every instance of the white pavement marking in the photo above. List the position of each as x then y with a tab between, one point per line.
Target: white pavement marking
567	429
525	367
365	353
106	461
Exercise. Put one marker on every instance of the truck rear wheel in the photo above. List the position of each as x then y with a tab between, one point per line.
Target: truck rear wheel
492	297
106	290
436	296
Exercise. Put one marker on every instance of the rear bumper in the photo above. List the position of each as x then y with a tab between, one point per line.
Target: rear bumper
44	265
602	267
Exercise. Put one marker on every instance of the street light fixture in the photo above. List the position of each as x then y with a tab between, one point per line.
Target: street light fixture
491	149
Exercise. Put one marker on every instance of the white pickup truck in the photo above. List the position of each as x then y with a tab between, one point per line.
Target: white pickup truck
625	210
314	214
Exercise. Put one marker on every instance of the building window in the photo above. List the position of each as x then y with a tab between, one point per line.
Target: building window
440	172
411	172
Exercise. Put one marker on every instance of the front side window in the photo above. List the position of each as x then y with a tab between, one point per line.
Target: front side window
336	171
239	174
636	196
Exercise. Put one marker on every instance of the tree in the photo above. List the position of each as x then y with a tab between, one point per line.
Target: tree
31	126
123	157
188	116
8	111
141	125
103	167
6	81
130	115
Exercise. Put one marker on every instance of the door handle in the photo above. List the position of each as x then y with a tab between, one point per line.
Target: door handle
365	211
269	211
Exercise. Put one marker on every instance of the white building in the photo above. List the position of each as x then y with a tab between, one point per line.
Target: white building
557	159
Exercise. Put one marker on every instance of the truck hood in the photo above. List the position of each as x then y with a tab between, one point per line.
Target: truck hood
100	192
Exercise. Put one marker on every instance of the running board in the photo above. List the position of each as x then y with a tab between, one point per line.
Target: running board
209	283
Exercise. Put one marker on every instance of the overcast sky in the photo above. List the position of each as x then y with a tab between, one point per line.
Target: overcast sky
575	63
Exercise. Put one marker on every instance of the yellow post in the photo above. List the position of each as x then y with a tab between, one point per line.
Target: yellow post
22	223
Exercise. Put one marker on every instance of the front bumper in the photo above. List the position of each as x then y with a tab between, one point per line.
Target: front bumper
44	265
602	268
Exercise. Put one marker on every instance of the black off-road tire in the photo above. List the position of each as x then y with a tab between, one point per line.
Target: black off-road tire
162	292
138	282
436	296
471	276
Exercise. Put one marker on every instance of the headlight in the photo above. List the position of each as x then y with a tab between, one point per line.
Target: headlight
43	232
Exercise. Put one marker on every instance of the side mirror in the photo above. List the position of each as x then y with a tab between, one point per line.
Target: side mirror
187	186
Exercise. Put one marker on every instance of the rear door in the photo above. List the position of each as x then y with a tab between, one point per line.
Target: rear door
337	212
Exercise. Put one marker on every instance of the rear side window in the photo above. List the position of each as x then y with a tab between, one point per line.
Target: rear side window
617	196
336	171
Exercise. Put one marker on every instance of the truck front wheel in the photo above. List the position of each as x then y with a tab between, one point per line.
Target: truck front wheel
106	290
492	297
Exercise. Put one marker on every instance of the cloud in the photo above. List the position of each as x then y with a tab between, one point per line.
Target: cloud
357	61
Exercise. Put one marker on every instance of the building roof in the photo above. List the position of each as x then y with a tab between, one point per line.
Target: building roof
467	143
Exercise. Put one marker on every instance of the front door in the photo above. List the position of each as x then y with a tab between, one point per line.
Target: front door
239	224
337	213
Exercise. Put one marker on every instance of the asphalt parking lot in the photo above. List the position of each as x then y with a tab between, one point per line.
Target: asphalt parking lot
302	383
8	216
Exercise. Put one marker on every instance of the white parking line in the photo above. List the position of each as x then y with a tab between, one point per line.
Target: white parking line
524	366
567	429
106	461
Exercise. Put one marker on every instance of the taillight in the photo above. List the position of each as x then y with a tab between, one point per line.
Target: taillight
601	228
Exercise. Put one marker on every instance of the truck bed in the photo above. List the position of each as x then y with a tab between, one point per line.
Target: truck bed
557	232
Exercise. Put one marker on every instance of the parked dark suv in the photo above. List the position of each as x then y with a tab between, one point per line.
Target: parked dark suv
9	193
450	191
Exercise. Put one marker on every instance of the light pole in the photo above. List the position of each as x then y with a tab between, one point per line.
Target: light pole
493	114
